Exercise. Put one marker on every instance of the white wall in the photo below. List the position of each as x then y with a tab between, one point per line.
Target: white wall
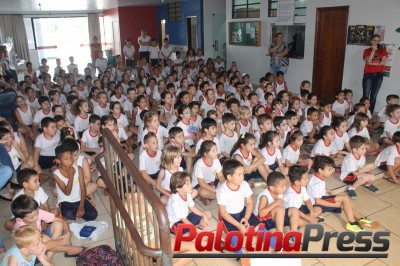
210	7
252	60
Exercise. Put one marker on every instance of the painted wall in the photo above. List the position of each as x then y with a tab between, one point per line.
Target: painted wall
177	30
253	60
211	7
134	18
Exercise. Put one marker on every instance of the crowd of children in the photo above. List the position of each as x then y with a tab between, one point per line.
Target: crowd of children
201	131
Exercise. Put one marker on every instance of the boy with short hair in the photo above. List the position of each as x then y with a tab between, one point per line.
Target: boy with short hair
209	131
90	137
269	207
220	107
29	180
45	144
389	160
309	126
233	107
292	120
70	113
176	138
297	194
281	127
354	171
264	123
181	201
390	99
57	237
150	158
45	111
229	137
128	103
316	188
28	247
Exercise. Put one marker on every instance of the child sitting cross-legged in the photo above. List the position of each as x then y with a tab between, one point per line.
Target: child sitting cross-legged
354	171
28	247
389	160
296	195
57	236
71	187
269	207
29	180
181	202
319	195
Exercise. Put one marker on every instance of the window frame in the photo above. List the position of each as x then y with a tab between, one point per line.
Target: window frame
246	5
270	9
175	12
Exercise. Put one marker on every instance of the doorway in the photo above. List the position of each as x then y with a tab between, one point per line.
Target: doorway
191	26
219	35
161	32
329	50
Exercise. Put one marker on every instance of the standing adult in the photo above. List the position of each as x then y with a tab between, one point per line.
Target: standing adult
101	63
375	60
129	53
278	52
95	49
144	42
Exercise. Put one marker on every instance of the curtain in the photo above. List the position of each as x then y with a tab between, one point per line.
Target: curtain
13	26
94	27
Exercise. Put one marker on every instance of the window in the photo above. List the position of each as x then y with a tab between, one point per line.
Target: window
29	33
245	9
300	8
293	36
174	12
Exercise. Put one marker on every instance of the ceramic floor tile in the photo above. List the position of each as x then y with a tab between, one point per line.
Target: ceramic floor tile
213	262
394	254
392	197
376	263
368	203
389	219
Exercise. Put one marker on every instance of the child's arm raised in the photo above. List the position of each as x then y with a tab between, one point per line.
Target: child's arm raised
65	188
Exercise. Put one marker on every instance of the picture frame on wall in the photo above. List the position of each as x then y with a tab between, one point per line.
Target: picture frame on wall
245	33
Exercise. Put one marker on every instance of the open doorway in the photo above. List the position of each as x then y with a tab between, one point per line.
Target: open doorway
161	32
191	26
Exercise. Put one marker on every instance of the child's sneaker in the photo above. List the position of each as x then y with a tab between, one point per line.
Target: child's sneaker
351	193
354	227
372	188
320	219
367	222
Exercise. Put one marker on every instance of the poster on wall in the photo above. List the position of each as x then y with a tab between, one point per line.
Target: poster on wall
361	34
285	12
390	48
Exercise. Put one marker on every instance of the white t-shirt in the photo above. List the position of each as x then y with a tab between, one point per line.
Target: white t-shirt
306	127
340	108
321	148
293	198
144	48
26	117
246	160
326	121
154	52
161	133
201	140
316	188
388	155
341	140
291	154
166	51
226	142
75	194
178	208
101	111
81	123
351	164
41	196
270	199
390	127
128	106
129	51
206	172
15	157
206	106
270	159
382	115
244	128
188	129
101	64
233	200
91	140
35	104
39	115
363	133
70	117
166	182
47	146
148	163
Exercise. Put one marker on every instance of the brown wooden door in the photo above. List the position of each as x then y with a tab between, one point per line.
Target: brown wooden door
329	50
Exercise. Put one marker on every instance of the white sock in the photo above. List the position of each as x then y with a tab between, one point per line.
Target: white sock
350	188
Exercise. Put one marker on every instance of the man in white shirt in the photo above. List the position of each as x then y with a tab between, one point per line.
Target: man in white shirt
129	53
144	42
101	63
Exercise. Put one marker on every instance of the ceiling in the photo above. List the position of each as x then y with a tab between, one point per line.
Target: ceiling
46	7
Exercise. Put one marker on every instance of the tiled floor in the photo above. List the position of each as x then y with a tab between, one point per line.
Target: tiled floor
383	207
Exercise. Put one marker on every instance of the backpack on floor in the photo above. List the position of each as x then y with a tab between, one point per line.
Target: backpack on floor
102	255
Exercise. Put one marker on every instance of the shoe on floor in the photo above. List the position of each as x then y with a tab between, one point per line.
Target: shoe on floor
351	193
354	227
372	188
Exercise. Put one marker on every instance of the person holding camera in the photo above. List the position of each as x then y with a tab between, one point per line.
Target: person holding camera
375	60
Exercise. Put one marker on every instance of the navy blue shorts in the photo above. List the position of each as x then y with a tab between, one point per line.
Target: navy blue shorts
213	184
254	174
332	199
383	166
274	166
192	217
46	162
270	223
253	221
183	163
154	176
350	179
